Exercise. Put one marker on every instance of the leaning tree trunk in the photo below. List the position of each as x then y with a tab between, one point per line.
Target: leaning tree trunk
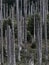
1	34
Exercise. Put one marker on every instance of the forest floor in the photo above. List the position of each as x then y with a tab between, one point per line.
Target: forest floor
31	53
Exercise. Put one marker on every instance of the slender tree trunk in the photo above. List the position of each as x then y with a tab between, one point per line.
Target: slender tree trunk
37	24
25	14
10	13
6	41
45	25
6	10
29	9
23	29
40	31
13	40
19	30
1	34
34	26
8	45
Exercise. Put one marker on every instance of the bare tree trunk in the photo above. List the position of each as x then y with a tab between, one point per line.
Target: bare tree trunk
6	41
25	14
10	13
40	31
13	40
29	9
23	29
8	45
19	30
45	25
6	10
1	34
37	24
34	26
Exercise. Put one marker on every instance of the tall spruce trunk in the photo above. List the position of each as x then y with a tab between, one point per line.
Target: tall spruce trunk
37	25
45	25
29	9
13	40
45	12
1	34
7	10
19	30
25	14
21	21
8	45
10	13
6	41
22	29
34	28
40	31
4	11
25	28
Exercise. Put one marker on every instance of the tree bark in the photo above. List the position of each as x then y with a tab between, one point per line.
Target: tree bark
19	30
45	25
1	34
8	45
13	40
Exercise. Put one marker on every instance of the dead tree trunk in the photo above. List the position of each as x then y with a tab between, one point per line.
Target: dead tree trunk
19	30
6	10
8	45
40	31
1	34
13	40
25	23
45	26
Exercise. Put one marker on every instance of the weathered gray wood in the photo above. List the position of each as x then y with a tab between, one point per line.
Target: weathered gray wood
19	30
6	40
6	10
8	45
1	34
25	14
45	27
40	32
10	13
34	21
29	9
13	40
23	29
37	39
